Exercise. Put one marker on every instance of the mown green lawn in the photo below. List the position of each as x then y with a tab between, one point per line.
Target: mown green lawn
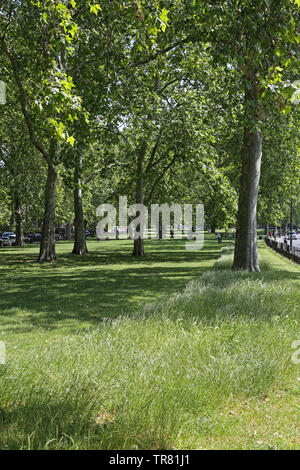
108	282
113	352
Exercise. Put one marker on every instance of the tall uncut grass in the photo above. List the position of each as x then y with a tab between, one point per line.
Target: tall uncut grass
158	379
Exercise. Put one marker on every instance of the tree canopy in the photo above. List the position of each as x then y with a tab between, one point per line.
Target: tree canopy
182	101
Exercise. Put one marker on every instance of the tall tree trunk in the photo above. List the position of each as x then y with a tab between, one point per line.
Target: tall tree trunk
138	245
160	228
19	222
68	233
47	246
80	247
246	256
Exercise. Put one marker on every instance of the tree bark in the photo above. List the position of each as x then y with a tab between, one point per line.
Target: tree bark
68	232
138	245
47	246
80	247
160	230
246	256
19	222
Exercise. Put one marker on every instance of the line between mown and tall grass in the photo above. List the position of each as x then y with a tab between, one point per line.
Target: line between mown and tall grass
206	367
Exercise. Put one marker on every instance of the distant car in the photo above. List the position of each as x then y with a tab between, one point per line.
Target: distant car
87	233
292	235
37	237
7	234
31	237
8	240
57	236
26	239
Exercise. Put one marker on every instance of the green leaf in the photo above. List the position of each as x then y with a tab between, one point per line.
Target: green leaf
164	18
95	8
71	140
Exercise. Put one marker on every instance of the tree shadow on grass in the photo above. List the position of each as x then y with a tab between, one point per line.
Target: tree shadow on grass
103	284
107	283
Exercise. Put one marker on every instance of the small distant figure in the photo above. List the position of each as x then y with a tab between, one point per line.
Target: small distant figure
219	238
285	239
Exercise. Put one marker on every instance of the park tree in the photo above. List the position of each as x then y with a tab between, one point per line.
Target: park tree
173	109
33	38
280	166
163	78
259	40
102	49
156	136
18	158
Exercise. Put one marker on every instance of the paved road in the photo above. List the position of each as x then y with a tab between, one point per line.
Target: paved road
296	243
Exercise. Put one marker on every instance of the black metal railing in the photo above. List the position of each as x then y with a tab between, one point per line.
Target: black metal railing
285	249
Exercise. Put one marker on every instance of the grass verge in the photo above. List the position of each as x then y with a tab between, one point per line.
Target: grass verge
207	367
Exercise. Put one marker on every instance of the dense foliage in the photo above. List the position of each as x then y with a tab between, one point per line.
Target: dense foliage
157	100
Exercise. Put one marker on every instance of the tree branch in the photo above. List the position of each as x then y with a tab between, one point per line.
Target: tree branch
153	152
159	178
23	100
7	26
160	52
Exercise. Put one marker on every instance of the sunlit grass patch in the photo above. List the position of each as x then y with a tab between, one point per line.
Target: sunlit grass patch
201	368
